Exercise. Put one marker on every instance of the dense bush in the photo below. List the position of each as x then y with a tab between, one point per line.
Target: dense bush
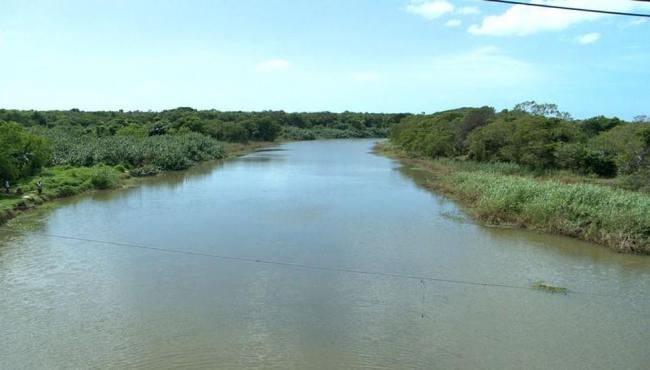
626	145
168	152
317	132
167	140
443	134
538	137
21	153
223	126
103	177
528	140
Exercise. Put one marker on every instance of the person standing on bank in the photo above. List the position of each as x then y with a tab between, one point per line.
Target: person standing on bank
7	186
39	187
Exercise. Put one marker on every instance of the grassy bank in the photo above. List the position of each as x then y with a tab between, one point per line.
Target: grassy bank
555	202
59	182
64	181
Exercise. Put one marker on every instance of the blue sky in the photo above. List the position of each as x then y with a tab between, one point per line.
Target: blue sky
358	55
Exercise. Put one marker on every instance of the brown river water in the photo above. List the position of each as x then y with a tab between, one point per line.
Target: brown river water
308	255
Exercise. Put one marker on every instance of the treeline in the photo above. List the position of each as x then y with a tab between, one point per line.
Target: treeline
150	141
222	126
536	136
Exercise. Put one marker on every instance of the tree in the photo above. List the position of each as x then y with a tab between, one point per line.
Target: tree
542	109
21	153
626	144
527	140
266	129
594	126
641	119
474	119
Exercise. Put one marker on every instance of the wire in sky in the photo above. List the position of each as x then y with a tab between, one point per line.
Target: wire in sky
572	8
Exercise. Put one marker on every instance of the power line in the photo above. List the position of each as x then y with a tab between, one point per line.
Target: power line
304	266
572	8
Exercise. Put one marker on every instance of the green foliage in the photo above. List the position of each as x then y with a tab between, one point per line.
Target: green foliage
223	126
528	140
542	110
62	181
617	218
537	136
319	132
232	132
21	153
626	145
168	152
638	181
265	129
132	130
103	177
440	135
594	126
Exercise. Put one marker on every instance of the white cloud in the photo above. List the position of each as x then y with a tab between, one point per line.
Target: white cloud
273	65
521	20
430	9
468	10
453	23
588	38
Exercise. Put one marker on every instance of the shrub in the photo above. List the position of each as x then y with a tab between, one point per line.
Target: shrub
103	177
169	152
21	153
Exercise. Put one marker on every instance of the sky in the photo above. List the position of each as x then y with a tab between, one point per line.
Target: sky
336	55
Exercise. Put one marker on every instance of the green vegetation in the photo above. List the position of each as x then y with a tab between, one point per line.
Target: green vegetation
62	181
617	218
74	151
58	182
221	126
166	152
534	167
549	288
554	201
536	137
21	153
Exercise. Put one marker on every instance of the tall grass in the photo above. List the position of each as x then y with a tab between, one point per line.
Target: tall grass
617	218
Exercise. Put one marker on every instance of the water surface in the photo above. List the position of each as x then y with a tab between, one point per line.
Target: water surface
80	304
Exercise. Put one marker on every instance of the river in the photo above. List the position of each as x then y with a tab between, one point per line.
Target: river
307	255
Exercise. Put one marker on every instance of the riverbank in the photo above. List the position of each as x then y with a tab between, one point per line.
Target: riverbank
501	194
65	181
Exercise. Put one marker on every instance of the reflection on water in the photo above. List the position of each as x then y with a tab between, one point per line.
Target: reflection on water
77	304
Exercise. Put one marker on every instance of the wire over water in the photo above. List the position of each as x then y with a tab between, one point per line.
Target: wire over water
303	266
